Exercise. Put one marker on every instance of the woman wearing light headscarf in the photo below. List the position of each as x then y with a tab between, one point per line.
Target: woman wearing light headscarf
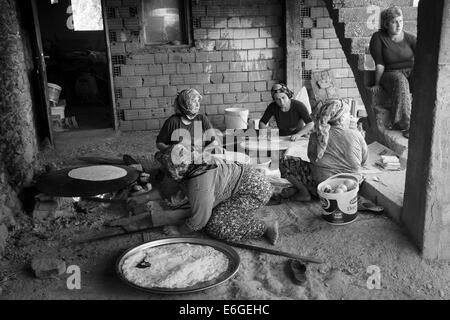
187	117
223	196
393	51
291	115
333	148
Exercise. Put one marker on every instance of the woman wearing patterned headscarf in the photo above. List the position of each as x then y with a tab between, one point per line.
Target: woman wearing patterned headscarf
292	116
333	148
187	117
223	196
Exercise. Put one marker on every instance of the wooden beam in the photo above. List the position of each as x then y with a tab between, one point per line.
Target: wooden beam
293	46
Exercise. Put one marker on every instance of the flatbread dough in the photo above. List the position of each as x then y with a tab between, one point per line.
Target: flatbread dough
98	173
264	144
174	266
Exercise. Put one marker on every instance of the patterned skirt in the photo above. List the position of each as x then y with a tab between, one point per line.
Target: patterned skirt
234	219
300	170
397	85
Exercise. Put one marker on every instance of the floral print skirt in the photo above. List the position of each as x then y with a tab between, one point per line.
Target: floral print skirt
294	167
397	85
234	219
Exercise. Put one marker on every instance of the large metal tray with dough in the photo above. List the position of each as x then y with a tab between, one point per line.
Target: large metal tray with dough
229	252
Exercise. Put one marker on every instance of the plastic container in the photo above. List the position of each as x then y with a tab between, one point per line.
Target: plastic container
236	118
58	111
53	92
254	124
339	208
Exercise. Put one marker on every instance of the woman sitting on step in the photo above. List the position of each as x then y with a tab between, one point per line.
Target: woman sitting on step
223	196
333	148
393	52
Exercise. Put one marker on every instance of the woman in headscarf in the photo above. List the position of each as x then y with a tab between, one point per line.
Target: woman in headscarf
186	125
393	51
333	148
292	116
223	196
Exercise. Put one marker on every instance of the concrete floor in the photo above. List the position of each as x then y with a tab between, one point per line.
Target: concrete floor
347	251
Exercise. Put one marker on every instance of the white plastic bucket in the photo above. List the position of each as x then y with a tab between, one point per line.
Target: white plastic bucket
339	208
58	111
254	124
236	118
53	92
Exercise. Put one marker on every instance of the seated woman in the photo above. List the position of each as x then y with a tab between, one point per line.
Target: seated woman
188	127
223	196
393	51
333	148
187	117
291	115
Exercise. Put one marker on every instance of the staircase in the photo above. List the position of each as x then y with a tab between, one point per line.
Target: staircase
354	23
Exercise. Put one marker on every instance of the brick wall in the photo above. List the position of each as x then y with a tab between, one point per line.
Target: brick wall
237	55
322	50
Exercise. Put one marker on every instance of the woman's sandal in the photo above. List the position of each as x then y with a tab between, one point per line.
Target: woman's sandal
297	271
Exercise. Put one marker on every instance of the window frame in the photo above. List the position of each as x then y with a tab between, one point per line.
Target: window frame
185	24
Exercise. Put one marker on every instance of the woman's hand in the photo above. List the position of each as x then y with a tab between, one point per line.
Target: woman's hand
295	137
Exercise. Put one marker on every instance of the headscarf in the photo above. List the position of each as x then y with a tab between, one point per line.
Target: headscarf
281	88
327	114
180	164
389	14
184	103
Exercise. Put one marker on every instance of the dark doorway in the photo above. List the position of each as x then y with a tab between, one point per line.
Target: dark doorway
76	60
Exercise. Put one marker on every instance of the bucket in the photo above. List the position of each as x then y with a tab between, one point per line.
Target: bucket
339	208
254	124
53	92
236	118
58	111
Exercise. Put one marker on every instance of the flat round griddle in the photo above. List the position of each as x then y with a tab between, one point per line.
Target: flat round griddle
59	184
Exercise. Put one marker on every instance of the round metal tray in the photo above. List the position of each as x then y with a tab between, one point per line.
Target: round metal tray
233	266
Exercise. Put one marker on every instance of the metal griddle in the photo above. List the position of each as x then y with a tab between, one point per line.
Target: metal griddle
59	184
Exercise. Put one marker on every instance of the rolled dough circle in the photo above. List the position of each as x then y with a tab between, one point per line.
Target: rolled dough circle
97	173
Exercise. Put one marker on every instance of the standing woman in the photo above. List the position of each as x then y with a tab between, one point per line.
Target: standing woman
393	52
291	115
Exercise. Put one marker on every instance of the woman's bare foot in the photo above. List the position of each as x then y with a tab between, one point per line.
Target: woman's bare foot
272	233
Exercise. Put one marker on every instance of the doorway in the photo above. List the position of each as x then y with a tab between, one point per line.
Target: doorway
76	59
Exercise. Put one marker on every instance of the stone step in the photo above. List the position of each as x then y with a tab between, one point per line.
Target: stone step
388	192
385	188
381	3
360	45
366	62
395	141
382	117
361	30
365	12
